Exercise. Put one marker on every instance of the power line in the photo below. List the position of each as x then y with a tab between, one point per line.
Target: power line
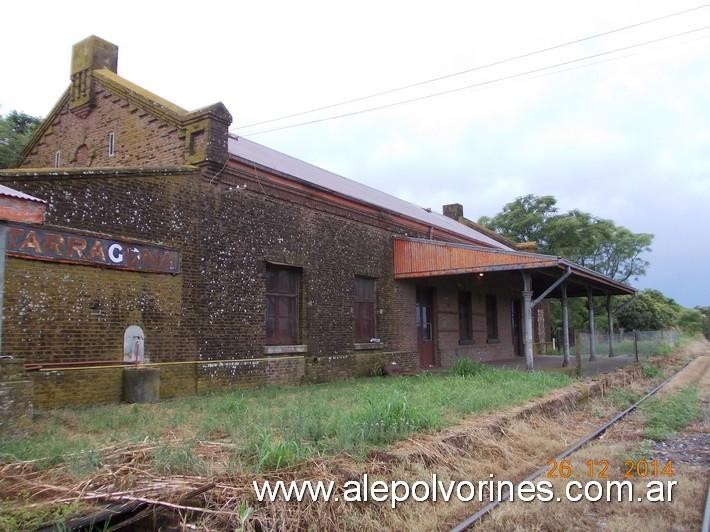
479	67
479	84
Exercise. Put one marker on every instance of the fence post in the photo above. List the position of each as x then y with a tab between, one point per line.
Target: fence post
636	345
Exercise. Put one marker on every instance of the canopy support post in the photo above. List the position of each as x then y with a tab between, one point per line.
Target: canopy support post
565	326
592	330
527	320
610	318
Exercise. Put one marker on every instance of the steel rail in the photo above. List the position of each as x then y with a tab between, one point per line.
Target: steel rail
480	514
705	527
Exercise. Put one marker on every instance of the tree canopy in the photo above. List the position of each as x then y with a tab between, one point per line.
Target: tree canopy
581	237
15	131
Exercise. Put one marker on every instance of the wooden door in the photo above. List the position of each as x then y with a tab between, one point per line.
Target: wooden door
425	327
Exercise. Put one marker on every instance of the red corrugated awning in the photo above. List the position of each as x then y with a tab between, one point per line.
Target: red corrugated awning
16	206
417	258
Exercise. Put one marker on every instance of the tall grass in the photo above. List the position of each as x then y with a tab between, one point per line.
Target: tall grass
277	426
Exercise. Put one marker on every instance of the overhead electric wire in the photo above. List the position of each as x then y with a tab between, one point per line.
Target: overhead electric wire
478	84
479	67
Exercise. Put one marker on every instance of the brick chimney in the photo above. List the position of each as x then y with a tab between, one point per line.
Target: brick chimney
90	54
454	210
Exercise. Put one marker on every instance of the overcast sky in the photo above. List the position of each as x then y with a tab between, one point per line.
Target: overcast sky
624	136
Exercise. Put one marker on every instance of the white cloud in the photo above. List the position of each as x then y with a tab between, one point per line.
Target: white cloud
626	139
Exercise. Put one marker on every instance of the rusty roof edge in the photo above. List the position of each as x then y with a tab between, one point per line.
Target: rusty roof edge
475	269
587	272
479	248
558	261
16	194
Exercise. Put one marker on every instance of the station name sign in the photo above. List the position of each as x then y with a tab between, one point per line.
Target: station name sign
60	246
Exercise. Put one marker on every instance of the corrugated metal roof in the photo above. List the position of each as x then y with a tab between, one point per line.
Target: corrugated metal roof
11	192
270	158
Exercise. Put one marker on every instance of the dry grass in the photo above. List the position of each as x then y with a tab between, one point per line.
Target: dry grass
510	444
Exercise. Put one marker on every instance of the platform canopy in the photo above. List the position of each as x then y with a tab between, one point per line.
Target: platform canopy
418	258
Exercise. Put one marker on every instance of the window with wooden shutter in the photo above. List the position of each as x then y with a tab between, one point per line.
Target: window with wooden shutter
282	304
364	302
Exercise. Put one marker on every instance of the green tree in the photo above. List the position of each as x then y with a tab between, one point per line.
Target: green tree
15	131
705	311
593	242
525	219
650	310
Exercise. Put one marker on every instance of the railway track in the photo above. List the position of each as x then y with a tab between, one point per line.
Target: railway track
472	519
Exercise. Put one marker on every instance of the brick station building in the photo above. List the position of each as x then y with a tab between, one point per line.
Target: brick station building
223	262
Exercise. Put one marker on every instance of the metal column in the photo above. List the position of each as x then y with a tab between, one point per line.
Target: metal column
565	326
610	319
592	335
3	248
527	320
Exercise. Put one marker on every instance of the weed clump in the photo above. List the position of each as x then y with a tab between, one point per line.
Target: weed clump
650	371
466	367
663	349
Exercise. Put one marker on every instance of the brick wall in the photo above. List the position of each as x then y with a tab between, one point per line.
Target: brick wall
57	312
140	137
503	286
64	387
363	364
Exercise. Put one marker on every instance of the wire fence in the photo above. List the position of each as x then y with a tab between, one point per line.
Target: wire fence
641	343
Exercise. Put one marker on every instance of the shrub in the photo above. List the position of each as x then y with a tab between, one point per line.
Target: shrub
466	367
663	349
650	371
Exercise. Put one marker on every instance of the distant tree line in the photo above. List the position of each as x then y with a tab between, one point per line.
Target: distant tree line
603	246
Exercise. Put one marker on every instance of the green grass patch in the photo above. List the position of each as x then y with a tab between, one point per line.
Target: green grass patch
622	398
664	416
650	371
273	427
14	518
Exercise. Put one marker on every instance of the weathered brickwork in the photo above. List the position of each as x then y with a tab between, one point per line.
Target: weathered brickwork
63	312
363	364
506	287
73	387
139	137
